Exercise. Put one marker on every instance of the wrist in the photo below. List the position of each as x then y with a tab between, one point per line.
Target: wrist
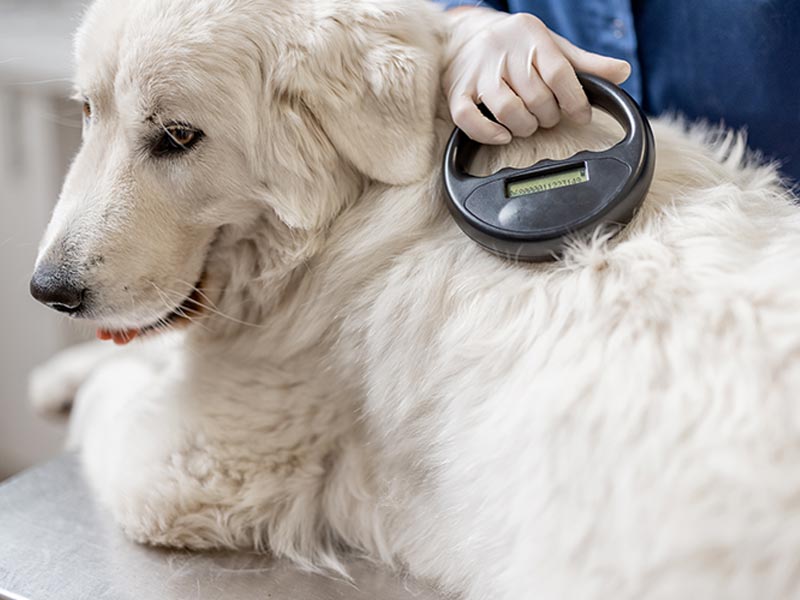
465	22
462	8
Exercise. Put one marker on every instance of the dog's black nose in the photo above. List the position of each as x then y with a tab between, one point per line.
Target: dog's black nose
56	289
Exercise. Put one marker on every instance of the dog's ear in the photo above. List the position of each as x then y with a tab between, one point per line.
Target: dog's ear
369	73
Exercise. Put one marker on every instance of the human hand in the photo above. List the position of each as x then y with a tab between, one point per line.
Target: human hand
523	72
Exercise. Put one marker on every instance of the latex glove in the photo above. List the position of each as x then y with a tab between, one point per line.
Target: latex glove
523	72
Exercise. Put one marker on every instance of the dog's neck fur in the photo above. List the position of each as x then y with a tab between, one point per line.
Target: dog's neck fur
253	270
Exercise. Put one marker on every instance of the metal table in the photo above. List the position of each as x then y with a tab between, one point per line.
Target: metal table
56	544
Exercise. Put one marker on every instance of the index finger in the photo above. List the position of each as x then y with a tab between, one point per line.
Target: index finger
468	117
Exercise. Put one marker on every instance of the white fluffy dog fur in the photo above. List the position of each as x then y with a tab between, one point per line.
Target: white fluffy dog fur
623	423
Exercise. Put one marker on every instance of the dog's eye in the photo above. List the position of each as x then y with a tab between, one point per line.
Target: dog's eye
87	110
176	139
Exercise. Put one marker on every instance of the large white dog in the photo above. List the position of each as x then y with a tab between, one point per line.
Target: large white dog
354	373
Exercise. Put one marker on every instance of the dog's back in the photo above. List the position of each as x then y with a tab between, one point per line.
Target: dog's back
619	424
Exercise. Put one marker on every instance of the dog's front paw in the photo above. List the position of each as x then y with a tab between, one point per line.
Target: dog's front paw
52	391
53	385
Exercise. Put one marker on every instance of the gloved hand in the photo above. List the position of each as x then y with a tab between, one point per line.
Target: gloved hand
523	72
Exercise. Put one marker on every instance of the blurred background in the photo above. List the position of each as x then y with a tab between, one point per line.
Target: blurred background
40	131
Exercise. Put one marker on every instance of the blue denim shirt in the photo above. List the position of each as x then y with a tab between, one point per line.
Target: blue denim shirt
731	61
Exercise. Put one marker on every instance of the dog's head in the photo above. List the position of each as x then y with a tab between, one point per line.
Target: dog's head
202	114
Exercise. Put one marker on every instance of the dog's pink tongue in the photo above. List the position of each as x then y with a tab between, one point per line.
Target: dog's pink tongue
120	337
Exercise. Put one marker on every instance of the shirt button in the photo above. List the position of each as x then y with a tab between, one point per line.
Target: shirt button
618	28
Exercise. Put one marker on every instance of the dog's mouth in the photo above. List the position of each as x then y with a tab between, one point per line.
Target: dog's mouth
190	308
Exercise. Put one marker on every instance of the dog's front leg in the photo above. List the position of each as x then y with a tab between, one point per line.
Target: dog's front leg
52	386
148	464
217	454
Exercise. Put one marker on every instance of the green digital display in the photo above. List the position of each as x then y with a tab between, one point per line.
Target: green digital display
543	183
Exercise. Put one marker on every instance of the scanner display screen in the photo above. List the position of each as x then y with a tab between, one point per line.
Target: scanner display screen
549	181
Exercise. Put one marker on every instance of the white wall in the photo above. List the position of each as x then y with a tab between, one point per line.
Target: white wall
39	132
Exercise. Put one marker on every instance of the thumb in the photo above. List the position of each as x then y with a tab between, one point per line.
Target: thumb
613	69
